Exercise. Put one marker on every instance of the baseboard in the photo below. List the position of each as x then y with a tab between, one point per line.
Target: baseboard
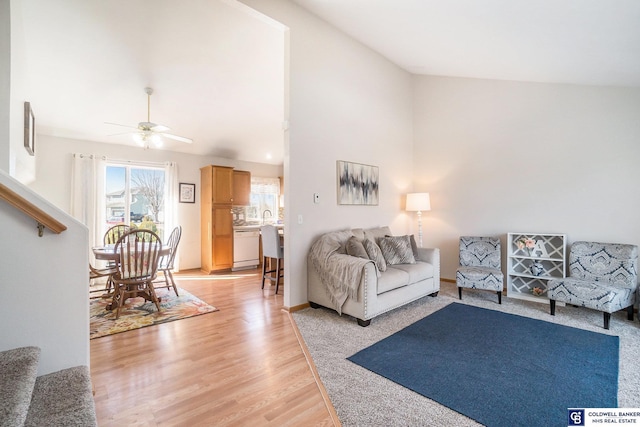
296	308
314	371
447	280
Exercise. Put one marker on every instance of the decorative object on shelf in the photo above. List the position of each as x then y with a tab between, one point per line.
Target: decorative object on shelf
357	184
526	244
537	291
187	193
540	250
532	260
29	129
537	268
418	202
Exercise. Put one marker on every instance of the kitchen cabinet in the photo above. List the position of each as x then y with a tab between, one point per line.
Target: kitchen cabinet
216	219
241	188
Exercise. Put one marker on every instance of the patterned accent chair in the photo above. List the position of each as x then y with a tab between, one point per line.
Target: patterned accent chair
602	276
480	265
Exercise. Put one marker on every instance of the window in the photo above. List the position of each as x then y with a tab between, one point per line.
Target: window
135	195
264	199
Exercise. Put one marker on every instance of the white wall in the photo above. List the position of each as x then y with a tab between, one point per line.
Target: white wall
43	285
346	103
5	82
54	160
501	157
22	166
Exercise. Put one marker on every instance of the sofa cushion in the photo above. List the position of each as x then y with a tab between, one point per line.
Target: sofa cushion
354	247
391	279
359	233
375	254
417	272
377	233
397	250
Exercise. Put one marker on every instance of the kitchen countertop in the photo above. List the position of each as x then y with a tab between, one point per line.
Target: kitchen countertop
254	226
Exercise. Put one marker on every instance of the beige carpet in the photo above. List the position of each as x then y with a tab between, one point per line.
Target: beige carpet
362	398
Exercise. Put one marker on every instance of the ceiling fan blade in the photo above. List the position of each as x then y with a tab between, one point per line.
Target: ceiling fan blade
121	133
118	124
177	138
159	128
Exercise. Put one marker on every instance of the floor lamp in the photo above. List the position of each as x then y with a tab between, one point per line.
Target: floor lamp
418	202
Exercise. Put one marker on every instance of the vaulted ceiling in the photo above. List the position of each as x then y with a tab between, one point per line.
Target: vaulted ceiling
216	67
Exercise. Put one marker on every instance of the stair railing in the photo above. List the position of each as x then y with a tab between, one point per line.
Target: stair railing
42	218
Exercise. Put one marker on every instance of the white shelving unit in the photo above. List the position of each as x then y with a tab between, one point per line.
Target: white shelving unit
550	253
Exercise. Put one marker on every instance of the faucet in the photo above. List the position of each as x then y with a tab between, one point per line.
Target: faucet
264	212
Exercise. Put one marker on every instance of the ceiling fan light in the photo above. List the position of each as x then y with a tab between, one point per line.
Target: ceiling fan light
157	140
139	138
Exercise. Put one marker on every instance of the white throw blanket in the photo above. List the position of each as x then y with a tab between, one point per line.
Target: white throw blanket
340	273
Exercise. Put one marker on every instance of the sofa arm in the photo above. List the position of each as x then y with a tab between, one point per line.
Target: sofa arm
432	256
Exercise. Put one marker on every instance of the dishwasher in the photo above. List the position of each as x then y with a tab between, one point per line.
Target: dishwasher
246	247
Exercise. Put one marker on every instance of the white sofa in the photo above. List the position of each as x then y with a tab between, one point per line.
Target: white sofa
372	292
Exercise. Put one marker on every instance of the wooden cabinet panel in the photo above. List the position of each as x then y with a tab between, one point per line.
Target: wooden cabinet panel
222	237
216	220
241	188
222	185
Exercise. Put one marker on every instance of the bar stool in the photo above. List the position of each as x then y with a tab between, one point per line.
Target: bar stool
271	248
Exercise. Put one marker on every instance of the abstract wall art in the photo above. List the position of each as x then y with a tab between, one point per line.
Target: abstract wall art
357	184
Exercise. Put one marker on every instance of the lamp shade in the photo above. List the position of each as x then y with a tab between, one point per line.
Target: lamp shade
418	202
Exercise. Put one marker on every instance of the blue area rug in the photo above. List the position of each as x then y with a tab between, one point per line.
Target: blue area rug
499	369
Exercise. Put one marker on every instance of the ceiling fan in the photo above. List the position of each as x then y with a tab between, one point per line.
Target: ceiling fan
148	132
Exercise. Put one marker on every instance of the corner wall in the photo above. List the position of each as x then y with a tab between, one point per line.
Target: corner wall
346	103
43	285
500	156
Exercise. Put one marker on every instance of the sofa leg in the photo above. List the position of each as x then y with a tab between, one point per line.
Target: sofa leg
314	305
363	323
552	305
433	295
460	293
607	319
630	312
499	297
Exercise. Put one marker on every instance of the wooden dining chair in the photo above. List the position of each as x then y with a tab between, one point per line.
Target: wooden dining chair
137	267
96	273
166	261
271	249
114	233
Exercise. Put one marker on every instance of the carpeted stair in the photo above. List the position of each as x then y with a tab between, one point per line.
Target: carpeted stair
62	398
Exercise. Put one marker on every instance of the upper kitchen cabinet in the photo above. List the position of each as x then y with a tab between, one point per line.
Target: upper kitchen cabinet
222	181
241	188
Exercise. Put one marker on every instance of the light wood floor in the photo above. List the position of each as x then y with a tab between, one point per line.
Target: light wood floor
239	366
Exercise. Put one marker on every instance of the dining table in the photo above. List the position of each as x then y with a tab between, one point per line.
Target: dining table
108	253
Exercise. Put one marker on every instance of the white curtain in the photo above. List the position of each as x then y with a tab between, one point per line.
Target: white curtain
87	195
171	219
261	185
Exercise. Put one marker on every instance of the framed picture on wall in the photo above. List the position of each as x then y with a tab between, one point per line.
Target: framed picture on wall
187	193
29	129
357	184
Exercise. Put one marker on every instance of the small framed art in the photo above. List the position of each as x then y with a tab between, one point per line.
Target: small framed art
29	129
187	193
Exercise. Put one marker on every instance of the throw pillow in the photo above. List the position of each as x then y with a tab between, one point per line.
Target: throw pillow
414	247
355	248
375	254
397	250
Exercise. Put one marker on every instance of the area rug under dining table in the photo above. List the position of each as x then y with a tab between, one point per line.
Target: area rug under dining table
497	368
138	313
